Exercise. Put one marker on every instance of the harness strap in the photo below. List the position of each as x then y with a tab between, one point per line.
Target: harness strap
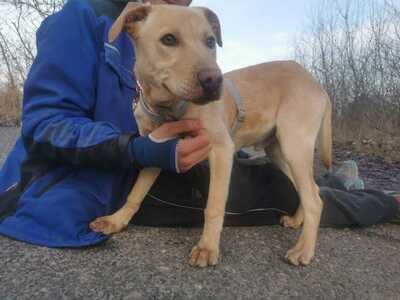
241	115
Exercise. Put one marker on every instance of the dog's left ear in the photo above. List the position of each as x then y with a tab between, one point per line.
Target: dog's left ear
129	19
214	22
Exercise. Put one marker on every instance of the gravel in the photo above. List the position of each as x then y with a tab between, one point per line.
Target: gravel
150	263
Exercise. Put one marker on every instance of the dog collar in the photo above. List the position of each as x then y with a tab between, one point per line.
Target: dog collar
161	114
176	111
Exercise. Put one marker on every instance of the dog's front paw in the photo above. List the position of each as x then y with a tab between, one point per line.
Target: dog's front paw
107	225
291	221
203	257
300	254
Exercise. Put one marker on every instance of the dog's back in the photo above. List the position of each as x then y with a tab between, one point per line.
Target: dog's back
268	87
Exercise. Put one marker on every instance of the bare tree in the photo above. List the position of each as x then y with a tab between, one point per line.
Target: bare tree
19	20
353	48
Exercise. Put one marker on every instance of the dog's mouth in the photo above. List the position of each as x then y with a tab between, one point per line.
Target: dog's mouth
207	98
202	98
167	88
176	96
202	101
175	2
208	95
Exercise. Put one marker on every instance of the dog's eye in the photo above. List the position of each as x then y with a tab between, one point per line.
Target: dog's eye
169	40
211	43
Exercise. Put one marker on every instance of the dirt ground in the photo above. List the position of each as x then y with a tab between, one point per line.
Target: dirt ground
150	263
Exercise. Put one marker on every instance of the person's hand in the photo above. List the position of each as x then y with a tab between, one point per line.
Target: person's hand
175	2
193	148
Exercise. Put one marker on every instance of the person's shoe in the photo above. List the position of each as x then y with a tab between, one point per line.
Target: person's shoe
396	219
251	158
242	154
348	174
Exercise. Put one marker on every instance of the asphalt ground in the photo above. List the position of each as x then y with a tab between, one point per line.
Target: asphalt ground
151	263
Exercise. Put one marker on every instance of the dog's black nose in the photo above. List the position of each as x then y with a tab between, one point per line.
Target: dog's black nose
211	82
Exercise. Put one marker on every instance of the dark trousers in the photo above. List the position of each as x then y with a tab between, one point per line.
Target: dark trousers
259	195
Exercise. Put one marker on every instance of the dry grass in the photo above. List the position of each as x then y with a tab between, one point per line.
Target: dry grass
372	129
368	129
10	105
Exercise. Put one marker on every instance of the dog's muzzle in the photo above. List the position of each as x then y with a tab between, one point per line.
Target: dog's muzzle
210	81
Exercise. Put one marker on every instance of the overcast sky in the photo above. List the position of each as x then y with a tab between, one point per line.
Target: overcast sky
256	31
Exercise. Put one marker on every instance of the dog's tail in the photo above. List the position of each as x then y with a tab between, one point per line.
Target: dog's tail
325	136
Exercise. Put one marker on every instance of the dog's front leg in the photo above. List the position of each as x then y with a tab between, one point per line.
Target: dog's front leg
207	250
119	220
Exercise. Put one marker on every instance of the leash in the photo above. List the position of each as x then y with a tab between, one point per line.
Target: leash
176	111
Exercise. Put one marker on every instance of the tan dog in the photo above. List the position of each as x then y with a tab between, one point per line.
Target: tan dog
285	109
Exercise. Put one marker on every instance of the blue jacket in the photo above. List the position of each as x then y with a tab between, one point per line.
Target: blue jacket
79	150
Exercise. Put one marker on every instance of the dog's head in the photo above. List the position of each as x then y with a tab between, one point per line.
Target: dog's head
175	51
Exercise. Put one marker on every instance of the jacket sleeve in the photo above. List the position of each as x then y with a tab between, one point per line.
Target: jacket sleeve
59	99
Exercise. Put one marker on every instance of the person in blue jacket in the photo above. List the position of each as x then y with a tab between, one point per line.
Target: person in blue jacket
79	151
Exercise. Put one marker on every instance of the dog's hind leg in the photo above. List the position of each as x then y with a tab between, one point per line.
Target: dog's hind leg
299	155
275	153
116	222
297	131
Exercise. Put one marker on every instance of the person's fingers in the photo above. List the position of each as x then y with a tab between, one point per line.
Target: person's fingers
202	158
175	2
192	144
181	127
196	133
187	162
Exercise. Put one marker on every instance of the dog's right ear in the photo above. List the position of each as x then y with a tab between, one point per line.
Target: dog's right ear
128	20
